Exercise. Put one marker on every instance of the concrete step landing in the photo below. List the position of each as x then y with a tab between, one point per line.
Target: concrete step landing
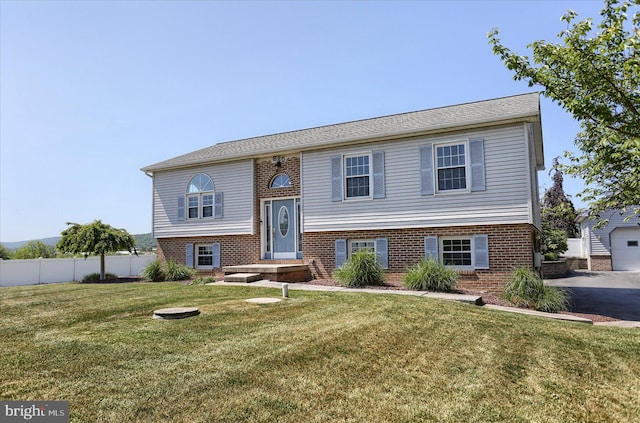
242	277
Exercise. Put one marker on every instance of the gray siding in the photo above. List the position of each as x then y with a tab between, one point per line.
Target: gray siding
507	198
600	238
234	180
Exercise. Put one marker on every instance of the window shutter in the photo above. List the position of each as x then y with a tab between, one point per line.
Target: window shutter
476	147
217	205
382	252
426	170
378	174
189	258
431	247
341	252
336	178
481	251
180	208
215	248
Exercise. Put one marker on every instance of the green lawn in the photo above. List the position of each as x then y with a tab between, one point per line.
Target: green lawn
317	357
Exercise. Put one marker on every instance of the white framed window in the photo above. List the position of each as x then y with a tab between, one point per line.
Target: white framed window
356	245
280	181
357	176
456	252
460	252
451	167
201	197
207	205
344	249
193	202
204	256
455	166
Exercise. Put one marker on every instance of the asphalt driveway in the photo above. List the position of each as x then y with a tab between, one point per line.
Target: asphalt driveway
615	294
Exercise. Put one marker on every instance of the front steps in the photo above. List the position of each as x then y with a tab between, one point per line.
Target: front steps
243	277
272	272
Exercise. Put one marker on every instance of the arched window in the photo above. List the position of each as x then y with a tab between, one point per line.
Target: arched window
200	197
200	183
281	181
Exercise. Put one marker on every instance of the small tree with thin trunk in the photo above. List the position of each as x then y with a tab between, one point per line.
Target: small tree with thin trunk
96	238
594	74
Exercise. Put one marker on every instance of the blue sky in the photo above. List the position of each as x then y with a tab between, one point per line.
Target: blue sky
91	91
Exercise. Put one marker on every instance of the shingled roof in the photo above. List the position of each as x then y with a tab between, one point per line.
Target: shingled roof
523	108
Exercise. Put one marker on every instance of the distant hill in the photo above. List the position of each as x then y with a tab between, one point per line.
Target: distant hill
145	242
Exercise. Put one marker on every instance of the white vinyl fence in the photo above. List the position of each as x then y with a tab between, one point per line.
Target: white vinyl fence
39	271
576	248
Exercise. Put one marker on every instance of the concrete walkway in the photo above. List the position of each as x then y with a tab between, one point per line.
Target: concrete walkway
468	299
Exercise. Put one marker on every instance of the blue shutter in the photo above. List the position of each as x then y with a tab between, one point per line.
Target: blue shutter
426	170
476	147
180	208
189	257
217	205
382	252
336	178
481	251
215	248
341	252
378	174
431	247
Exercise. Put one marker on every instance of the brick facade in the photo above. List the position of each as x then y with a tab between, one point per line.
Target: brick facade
600	263
510	246
234	249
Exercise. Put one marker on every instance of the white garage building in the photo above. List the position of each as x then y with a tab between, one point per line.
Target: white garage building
615	246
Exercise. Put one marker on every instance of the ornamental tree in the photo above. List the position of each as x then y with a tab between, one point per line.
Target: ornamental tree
557	208
95	238
594	74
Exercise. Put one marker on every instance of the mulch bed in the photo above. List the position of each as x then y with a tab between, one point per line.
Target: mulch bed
487	297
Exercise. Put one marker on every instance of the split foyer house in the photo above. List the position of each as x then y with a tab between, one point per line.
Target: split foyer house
458	183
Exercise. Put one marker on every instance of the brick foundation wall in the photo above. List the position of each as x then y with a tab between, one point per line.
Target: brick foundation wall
234	249
601	263
510	246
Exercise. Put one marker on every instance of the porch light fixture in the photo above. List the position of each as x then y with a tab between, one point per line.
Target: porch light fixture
278	160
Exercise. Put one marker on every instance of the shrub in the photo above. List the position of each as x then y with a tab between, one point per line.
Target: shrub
153	271
95	277
553	300
431	275
526	289
178	272
203	280
554	242
361	269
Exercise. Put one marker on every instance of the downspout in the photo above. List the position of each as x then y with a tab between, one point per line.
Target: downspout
153	214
